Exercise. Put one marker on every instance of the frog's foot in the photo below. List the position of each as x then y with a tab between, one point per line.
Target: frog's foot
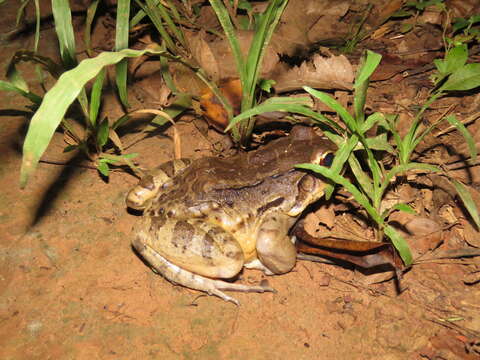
257	265
186	278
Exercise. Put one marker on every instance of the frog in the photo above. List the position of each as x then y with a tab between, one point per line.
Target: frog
206	219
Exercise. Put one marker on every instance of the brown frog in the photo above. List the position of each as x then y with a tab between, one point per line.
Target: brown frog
204	220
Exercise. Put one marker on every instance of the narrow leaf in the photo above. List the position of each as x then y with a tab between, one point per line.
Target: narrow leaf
91	11
64	30
6	86
371	63
103	168
466	135
400	244
121	42
57	101
96	96
467	200
334	105
339	179
102	133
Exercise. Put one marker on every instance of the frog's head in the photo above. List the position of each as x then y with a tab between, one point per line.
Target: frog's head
309	148
143	193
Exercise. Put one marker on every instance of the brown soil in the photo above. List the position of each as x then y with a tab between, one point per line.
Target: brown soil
72	288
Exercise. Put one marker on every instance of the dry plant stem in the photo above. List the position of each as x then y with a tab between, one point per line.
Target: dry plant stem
64	163
453	326
176	137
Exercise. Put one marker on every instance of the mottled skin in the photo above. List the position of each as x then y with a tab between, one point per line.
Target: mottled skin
206	219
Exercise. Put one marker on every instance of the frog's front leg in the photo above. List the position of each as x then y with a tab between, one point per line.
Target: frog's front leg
275	249
193	253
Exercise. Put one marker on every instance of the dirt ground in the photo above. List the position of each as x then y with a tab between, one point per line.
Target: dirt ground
72	288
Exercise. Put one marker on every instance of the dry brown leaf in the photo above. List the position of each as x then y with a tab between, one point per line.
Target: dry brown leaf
366	254
463	8
216	58
212	108
335	72
324	215
112	134
203	54
470	234
373	278
420	226
305	22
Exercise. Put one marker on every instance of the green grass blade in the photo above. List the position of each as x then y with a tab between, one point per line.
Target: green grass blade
371	121
103	168
289	107
21	12
171	24
334	105
182	103
87	38
137	18
368	65
96	97
361	176
121	42
66	39
6	86
399	169
400	244
102	133
379	142
151	10
467	200
37	25
268	22
15	77
371	62
57	101
343	153
339	179
401	207
226	22
64	30
466	135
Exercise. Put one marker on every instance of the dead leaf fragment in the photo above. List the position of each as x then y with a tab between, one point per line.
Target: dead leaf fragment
420	226
366	254
335	72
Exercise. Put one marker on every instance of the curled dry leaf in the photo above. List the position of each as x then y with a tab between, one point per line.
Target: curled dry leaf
366	254
470	234
213	110
334	72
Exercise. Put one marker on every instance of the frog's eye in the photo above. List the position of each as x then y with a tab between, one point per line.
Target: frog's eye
326	159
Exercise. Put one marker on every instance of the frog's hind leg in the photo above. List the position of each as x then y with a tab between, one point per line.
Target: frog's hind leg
186	278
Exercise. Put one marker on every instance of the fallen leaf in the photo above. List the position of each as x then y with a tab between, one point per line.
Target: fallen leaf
335	72
213	110
420	226
366	254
